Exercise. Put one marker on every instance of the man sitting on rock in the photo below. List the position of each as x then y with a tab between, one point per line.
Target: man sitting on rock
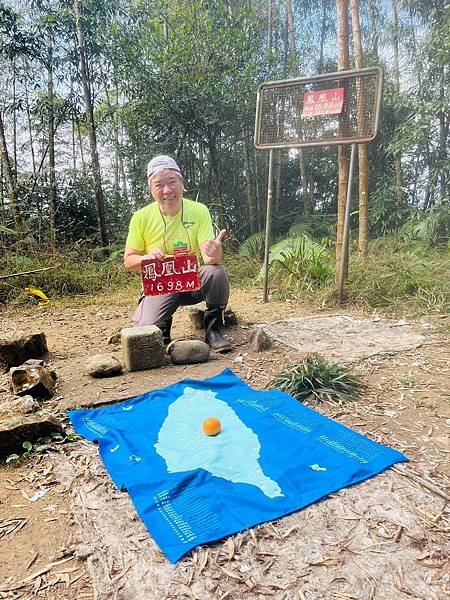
153	232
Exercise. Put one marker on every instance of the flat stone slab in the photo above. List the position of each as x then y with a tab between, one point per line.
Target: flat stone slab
344	338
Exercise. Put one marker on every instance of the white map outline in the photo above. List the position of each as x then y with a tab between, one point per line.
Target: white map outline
232	455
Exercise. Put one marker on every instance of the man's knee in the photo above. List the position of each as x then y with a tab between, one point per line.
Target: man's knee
215	272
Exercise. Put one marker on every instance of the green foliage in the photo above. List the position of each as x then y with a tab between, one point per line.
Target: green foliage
76	274
323	379
315	226
385	215
408	278
253	246
431	227
43	444
299	261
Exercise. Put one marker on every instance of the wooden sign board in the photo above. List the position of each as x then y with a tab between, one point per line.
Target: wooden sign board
173	275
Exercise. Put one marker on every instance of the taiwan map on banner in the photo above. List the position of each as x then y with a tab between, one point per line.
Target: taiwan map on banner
273	456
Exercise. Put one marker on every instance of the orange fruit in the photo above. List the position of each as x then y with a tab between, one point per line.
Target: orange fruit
211	426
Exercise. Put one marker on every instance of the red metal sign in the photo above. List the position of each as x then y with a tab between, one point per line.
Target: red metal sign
173	275
325	102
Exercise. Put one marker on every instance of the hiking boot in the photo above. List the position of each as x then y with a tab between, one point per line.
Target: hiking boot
214	319
165	327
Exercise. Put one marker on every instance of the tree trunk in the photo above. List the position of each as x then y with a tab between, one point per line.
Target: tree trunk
2	194
80	144
14	121
374	28
73	125
269	27
294	71
291	38
248	186
397	157
217	185
115	127
122	169
322	35
362	148
343	151
30	129
51	144
99	203
9	177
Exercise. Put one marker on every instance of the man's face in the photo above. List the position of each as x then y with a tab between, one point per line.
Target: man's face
167	190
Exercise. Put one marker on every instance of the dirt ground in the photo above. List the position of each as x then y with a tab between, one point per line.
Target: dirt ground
66	532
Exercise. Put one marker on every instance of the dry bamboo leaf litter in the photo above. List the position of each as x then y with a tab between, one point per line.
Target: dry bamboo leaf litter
32	577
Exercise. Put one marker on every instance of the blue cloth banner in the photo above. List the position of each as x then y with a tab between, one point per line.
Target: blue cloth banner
272	457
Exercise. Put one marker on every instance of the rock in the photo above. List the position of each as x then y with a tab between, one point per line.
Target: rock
188	352
114	338
22	405
14	352
37	381
16	429
230	318
259	340
142	348
197	318
35	362
103	365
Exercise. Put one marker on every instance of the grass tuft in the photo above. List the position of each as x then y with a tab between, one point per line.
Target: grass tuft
323	379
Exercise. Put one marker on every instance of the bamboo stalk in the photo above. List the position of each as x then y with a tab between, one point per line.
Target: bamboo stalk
28	272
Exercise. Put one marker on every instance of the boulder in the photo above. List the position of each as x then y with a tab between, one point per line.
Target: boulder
103	365
16	429
34	380
14	352
188	352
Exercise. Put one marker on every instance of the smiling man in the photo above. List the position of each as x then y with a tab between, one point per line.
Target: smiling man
153	232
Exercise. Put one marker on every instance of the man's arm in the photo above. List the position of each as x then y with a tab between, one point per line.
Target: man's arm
132	258
212	249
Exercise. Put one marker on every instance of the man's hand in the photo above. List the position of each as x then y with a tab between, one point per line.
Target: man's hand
212	249
133	258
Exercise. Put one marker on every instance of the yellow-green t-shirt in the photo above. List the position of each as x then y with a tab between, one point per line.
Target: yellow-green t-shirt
149	229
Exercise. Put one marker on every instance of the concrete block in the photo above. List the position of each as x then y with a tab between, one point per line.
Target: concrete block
142	348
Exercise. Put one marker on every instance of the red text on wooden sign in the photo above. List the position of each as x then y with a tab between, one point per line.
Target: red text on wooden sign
325	102
173	275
